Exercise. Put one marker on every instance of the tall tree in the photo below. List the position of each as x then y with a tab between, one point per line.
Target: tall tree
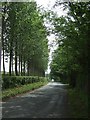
72	32
26	36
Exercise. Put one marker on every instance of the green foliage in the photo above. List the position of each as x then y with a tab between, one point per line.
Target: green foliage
59	65
24	38
16	81
22	89
70	60
78	102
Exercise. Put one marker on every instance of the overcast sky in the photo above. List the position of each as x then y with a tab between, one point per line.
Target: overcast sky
48	4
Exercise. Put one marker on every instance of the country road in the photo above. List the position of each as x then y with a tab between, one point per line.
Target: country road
49	101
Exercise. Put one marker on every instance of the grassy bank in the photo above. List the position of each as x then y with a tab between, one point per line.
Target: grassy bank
22	89
78	102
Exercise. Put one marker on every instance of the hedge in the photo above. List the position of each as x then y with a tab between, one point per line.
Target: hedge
11	92
16	81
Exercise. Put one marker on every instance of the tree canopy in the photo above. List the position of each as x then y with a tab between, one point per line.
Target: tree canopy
24	39
70	60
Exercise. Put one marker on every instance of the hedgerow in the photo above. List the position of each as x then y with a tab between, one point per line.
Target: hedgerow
11	92
16	81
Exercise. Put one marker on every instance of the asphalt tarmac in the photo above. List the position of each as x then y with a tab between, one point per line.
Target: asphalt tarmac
49	101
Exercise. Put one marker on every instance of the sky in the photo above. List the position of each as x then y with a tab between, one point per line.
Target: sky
47	4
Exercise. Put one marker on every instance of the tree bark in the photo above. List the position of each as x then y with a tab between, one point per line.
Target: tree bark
12	64
3	58
16	72
21	65
24	67
28	73
2	36
10	61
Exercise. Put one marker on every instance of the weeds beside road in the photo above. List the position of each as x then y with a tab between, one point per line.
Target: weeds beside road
22	89
78	102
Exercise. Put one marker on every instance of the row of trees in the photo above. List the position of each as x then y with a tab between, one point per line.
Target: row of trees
24	39
70	60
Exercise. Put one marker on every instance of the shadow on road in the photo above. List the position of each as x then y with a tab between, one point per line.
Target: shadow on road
49	101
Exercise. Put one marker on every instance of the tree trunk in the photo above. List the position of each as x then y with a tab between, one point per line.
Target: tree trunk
24	67
3	58
12	64
10	61
16	59
21	65
28	68
2	37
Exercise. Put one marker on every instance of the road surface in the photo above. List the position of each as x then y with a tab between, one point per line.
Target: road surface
49	101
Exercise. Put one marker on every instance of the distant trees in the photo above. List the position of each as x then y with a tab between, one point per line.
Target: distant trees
24	39
70	60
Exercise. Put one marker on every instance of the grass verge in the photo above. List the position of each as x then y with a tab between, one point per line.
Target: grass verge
22	89
78	102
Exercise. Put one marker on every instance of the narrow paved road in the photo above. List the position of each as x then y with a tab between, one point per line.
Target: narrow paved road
49	101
